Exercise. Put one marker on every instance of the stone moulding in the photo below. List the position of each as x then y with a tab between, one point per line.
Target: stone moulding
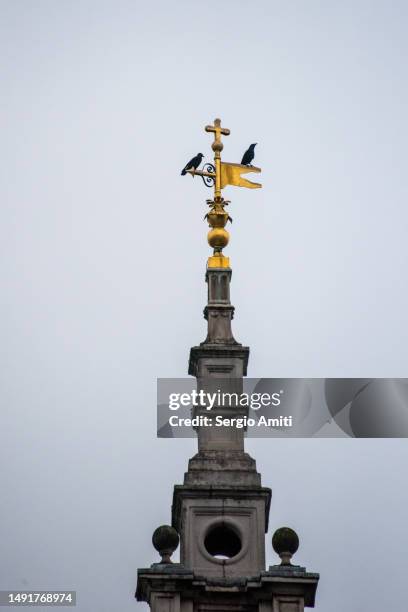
225	492
249	591
218	352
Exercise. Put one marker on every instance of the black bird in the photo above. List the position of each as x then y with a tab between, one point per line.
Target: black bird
193	163
249	155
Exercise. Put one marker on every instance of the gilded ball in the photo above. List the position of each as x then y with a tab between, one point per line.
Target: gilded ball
218	237
165	539
285	540
217	146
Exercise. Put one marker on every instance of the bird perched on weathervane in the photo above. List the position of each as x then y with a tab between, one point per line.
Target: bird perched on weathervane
193	163
249	155
219	175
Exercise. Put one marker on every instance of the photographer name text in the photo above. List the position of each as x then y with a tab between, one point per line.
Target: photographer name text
238	422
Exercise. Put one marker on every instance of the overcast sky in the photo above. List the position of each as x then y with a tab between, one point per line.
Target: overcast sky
102	272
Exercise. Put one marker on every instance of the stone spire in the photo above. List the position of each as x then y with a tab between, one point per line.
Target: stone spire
221	510
219	363
221	506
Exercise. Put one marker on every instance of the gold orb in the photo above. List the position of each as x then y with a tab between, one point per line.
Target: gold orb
218	237
217	146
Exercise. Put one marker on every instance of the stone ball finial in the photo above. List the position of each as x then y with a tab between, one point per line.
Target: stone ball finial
165	540
285	542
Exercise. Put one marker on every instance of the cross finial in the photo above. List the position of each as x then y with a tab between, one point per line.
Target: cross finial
217	145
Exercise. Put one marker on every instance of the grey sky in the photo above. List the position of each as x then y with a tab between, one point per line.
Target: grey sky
102	272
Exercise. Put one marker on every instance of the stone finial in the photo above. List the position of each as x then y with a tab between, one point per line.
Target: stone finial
285	542
165	540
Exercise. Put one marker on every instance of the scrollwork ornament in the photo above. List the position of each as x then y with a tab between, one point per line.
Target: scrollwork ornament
208	181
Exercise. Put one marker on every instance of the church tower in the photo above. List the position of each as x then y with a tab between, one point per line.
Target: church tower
220	513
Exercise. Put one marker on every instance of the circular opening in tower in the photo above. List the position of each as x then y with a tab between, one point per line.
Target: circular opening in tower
222	542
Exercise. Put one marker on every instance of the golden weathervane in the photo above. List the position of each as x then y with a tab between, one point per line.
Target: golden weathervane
219	176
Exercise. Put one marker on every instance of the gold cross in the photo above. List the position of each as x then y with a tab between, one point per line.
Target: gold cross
217	145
